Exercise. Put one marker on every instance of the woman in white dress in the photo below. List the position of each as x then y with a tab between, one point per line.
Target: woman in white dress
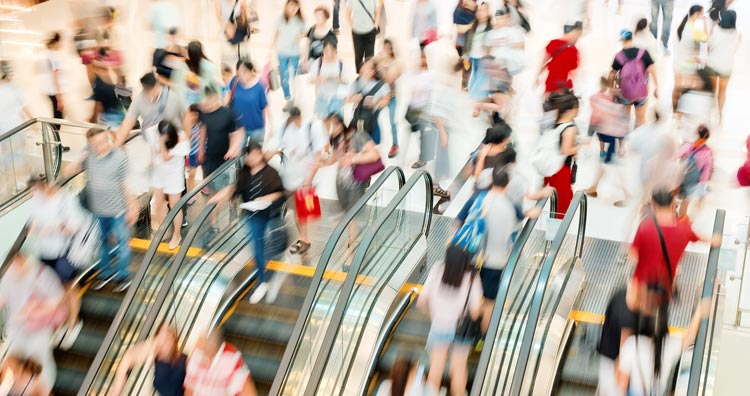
722	46
168	173
687	53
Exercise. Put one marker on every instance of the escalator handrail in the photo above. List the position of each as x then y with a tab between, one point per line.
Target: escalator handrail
359	258
497	311
579	204
55	121
141	273
701	339
325	258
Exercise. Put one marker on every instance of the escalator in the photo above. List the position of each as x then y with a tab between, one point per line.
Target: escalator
213	272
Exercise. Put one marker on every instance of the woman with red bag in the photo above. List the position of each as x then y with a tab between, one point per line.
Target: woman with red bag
300	147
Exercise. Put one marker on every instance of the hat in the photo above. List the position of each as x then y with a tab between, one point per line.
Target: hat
626	35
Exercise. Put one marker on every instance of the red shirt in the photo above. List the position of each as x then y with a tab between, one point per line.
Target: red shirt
651	267
561	64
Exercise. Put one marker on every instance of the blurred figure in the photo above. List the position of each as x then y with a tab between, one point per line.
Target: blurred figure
200	74
164	16
289	31
475	50
657	146
424	23
154	104
666	7
53	74
370	94
32	294
13	112
364	19
109	200
566	105
631	71
318	35
463	18
54	219
22	377
390	71
418	110
247	98
170	364
687	54
450	292
215	367
699	167
722	46
237	19
561	60
192	123
109	98
406	379
328	76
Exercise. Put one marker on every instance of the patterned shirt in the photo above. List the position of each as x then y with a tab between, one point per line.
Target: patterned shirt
223	375
106	188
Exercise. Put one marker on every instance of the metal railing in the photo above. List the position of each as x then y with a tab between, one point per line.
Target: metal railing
741	278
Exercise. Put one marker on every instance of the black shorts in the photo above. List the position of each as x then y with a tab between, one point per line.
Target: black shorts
63	268
490	282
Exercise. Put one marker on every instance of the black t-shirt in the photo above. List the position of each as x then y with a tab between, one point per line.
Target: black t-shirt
104	93
317	43
264	182
632	53
617	317
220	124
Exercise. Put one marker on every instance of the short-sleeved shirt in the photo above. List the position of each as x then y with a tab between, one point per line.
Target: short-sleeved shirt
17	288
363	15
12	102
332	73
300	146
104	93
169	107
219	124
50	66
563	61
632	53
106	183
317	43
362	86
616	318
446	303
651	267
222	375
264	182
50	214
501	221
289	36
248	105
463	16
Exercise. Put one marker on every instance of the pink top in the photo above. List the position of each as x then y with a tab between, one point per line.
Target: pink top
704	159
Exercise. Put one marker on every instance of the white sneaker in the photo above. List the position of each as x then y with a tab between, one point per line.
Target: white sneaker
58	336
71	336
259	293
273	289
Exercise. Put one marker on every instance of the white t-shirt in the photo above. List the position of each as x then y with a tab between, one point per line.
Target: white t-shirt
19	286
12	102
51	64
500	221
332	72
446	303
722	46
478	50
501	43
423	82
49	214
300	146
637	361
289	36
363	15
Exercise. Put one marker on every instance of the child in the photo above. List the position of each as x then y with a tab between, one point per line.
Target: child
193	161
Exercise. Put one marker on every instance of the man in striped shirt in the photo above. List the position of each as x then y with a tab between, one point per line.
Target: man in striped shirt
216	368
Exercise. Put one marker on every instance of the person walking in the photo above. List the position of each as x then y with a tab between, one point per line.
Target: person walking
157	102
110	201
451	292
289	32
261	184
370	94
200	73
247	98
52	69
642	38
390	71
364	19
666	7
328	76
632	70
13	112
424	23
722	47
318	35
699	167
687	53
561	59
418	110
475	50
216	367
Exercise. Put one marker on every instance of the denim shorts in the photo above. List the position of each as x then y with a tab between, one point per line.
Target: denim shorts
636	103
437	338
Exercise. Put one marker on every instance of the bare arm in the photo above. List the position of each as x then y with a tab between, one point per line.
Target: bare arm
569	146
367	155
137	355
236	140
378	10
652	73
125	128
249	388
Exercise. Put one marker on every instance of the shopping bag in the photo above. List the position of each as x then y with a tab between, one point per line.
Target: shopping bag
307	203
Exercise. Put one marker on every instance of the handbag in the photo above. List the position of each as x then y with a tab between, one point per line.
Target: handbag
363	172
573	172
85	244
307	203
469	329
368	116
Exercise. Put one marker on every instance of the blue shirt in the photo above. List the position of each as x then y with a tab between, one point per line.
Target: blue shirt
248	104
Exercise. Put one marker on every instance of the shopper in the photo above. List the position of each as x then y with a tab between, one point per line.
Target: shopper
200	73
417	114
424	23
193	124
110	201
31	294
722	47
168	361
53	74
256	181
666	7
442	112
154	104
632	70
247	98
328	75
566	105
475	50
451	292
301	146
109	98
364	19
13	112
390	71
561	59
687	52
216	367
289	32
369	94
698	159
317	36
23	375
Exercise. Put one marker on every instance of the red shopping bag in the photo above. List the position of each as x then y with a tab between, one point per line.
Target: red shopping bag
308	204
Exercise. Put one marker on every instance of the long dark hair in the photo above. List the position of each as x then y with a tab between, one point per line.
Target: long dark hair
728	19
641	25
696	9
475	24
717	7
562	102
457	263
400	376
195	56
298	14
167	128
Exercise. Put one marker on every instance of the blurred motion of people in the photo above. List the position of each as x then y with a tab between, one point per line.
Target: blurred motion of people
164	15
21	377
656	145
327	74
216	367
417	112
722	47
51	66
286	43
390	71
317	36
406	379
692	32
475	49
247	98
698	159
666	7
13	112
632	70
561	59
364	19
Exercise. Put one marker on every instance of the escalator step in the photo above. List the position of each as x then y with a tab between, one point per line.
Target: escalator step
253	327
68	381
263	369
100	305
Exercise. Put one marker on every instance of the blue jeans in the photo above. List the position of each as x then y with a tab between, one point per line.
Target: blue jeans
667	7
478	81
442	161
286	62
325	106
392	119
256	226
117	227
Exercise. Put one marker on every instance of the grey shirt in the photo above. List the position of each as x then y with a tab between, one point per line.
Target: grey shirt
168	107
500	221
290	33
106	186
363	15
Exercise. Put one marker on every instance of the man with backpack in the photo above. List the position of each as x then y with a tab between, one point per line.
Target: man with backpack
630	74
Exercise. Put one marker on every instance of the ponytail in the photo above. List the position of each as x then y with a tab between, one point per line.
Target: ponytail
693	10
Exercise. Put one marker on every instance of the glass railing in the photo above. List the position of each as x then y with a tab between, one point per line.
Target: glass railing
566	248
501	345
317	311
130	323
376	261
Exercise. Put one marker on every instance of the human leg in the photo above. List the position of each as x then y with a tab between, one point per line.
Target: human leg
122	236
158	211
667	9
257	226
392	119
560	181
654	18
370	44
336	7
284	62
459	371
358	41
105	258
722	84
176	222
640	112
427	144
438	359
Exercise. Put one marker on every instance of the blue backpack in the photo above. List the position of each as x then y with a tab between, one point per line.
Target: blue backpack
472	236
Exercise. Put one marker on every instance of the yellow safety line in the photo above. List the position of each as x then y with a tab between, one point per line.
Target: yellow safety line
592	318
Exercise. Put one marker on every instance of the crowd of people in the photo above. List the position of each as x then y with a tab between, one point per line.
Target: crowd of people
195	114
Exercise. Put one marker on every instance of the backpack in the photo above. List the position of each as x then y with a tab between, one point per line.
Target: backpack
692	170
472	236
369	116
633	77
546	157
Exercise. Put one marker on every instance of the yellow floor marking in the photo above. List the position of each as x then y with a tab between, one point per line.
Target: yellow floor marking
592	318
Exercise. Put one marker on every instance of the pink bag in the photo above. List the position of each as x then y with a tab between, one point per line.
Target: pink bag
42	318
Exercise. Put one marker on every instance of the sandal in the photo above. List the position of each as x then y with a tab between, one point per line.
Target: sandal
299	247
440	192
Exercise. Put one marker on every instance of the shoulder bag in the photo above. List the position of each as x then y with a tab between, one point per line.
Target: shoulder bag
368	116
469	329
665	253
